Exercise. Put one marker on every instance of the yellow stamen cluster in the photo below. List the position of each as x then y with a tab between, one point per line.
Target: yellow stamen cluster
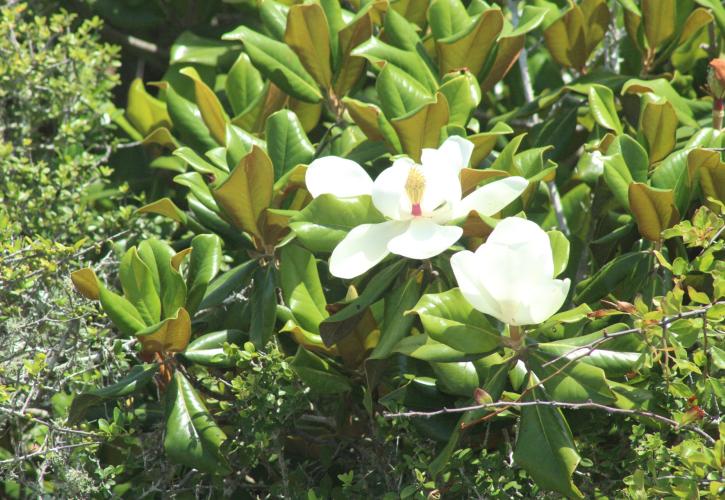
415	186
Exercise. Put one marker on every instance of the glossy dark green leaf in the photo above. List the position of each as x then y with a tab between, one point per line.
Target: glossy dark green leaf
448	318
378	53
243	85
185	114
301	287
277	62
287	142
318	374
426	349
343	322
459	379
228	284
601	103
208	350
204	264
190	48
123	314
447	17
545	447
606	279
264	311
137	378
568	380
192	437
397	324
399	93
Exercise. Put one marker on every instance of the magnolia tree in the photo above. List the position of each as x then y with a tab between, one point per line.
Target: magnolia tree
474	216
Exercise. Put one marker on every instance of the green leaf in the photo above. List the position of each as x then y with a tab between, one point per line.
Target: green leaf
185	114
447	17
210	108
342	323
658	122
661	87
198	163
308	35
189	48
426	349
123	314
247	192
654	209
460	379
317	373
545	446
469	48
570	381
264	311
168	282
279	63
351	68
326	220
484	142
301	287
397	324
673	174
448	318
606	279
718	11
422	128
287	142
616	357
192	437
379	53
274	17
463	95
659	21
399	93
243	85
144	111
138	286
208	350
560	250
137	378
228	284
601	103
204	264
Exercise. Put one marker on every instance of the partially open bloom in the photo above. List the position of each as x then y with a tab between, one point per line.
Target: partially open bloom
419	201
511	276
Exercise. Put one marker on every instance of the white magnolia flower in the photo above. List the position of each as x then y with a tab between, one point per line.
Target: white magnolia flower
511	276
419	201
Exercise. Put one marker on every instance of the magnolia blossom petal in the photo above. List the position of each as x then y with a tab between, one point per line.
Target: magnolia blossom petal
528	244
424	239
455	153
491	198
442	189
389	190
466	269
545	300
337	176
363	247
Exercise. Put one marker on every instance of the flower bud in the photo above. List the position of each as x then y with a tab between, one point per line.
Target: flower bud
716	78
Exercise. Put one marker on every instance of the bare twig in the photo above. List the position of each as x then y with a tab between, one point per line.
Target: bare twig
589	405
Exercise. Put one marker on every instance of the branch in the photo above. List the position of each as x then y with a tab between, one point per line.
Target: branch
589	405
